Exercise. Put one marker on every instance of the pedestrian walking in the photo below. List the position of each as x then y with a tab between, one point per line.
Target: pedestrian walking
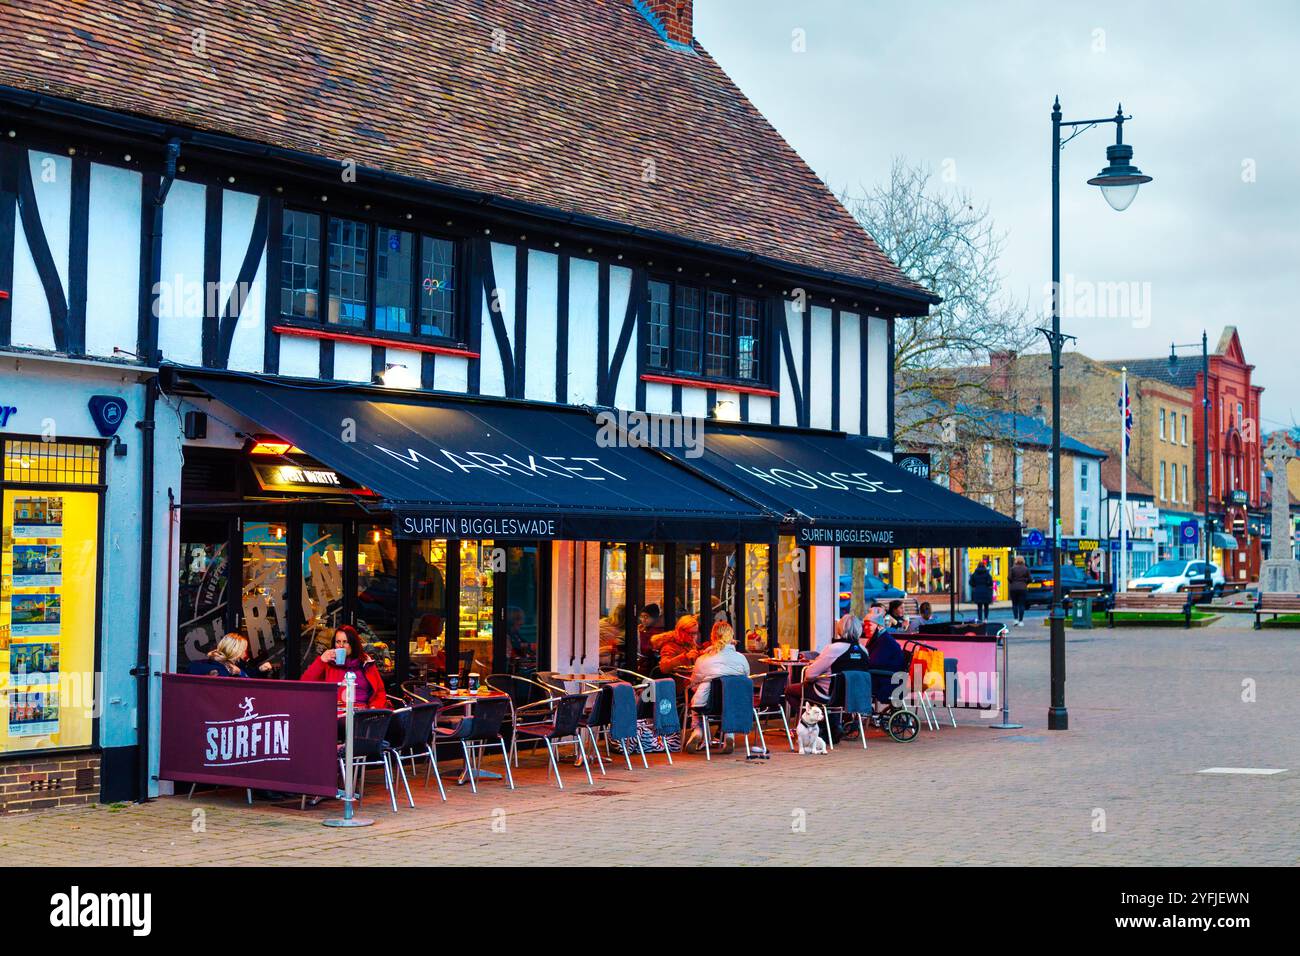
1018	588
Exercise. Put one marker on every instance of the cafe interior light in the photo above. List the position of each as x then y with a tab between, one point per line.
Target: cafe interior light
726	410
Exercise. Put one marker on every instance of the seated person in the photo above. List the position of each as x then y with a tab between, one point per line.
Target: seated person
895	619
845	652
924	615
884	654
427	633
677	648
719	659
649	625
370	692
613	629
226	659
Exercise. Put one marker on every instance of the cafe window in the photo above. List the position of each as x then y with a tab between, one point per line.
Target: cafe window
722	586
378	278
755	595
791	567
428	604
704	332
376	607
478	566
49	575
204	613
322	589
689	584
263	593
613	605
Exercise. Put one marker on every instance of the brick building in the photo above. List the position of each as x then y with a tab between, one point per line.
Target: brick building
1161	454
1234	445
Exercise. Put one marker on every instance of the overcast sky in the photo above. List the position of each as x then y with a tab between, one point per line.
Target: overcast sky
967	87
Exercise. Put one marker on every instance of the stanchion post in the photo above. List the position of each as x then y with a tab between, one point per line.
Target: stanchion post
349	798
1006	723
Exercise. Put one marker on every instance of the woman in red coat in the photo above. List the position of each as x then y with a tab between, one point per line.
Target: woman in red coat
370	686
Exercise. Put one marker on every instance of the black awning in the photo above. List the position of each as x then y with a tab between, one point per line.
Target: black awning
476	468
832	489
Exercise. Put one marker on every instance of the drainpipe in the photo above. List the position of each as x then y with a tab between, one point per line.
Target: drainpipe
142	671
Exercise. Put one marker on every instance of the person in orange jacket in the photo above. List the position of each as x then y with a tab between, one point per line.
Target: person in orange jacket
678	647
370	686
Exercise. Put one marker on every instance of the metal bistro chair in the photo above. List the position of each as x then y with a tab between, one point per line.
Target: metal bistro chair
840	687
769	702
416	741
565	716
478	728
370	748
595	723
521	691
660	710
713	710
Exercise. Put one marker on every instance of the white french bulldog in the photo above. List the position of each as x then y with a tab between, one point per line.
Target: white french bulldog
809	730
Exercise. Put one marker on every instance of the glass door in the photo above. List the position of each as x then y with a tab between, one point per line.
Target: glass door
688	578
479	565
519	642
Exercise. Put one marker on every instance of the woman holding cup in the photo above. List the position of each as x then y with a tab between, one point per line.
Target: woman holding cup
346	655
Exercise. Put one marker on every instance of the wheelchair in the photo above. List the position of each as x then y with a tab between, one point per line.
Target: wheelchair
897	719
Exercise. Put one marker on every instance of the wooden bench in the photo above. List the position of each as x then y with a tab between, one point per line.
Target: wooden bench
911	607
1275	603
1197	591
1151	604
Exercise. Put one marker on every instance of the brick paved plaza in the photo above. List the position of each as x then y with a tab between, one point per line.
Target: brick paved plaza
1148	709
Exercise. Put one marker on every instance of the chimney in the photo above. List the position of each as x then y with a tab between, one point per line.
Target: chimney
674	18
1001	365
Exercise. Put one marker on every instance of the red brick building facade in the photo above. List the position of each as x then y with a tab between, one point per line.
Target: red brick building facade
1235	446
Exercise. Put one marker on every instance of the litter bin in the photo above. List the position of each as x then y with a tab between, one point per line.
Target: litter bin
1081	611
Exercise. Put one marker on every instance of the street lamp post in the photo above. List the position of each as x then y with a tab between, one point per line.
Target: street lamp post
1119	183
1205	430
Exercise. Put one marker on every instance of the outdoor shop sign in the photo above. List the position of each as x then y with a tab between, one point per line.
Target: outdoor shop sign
914	463
242	732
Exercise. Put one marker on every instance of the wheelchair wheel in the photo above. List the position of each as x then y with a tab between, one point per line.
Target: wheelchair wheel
903	726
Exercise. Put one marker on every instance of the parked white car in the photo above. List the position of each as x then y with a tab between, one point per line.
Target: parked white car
1168	577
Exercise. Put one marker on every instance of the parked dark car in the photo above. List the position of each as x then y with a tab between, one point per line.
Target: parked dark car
1072	579
874	589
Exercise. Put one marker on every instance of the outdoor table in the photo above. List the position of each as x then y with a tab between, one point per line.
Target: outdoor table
569	680
775	662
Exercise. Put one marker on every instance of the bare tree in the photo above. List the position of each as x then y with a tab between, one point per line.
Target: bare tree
940	239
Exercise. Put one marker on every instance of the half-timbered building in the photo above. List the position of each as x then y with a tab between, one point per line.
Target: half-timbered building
278	277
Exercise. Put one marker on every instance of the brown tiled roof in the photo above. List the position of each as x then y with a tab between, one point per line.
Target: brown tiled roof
583	94
1110	475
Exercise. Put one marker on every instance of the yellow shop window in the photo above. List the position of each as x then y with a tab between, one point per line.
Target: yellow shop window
61	463
49	554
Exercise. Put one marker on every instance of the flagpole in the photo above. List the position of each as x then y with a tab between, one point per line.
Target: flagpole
1123	483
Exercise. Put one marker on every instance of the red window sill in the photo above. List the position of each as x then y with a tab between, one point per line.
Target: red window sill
410	345
705	383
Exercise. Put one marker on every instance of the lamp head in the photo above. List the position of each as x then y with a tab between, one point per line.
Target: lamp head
1120	180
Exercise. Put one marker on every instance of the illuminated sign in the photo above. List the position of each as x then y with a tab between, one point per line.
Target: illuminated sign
301	478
